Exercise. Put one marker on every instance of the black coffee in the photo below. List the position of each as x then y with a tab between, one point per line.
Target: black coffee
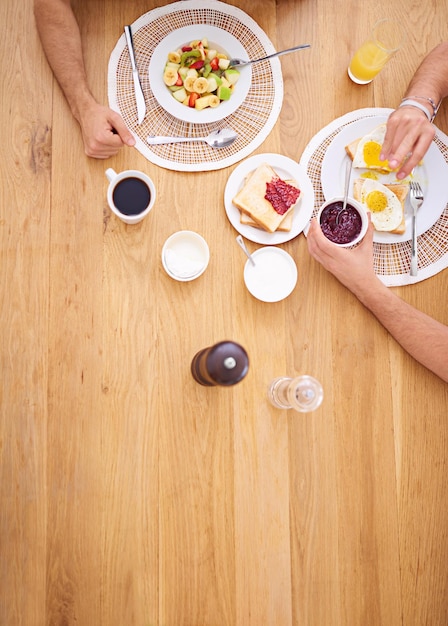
131	196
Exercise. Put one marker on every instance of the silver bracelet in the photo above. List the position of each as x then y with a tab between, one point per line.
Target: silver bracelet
420	107
435	107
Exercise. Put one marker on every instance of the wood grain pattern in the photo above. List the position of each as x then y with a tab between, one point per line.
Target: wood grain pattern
129	493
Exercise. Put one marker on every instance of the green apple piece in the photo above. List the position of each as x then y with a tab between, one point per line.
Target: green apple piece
174	66
211	54
224	64
224	93
224	82
180	94
232	75
183	72
217	78
212	83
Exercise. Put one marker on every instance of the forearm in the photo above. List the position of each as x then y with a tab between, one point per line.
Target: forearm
424	338
431	78
61	41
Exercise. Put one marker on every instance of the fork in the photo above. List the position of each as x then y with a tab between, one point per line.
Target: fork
241	62
416	200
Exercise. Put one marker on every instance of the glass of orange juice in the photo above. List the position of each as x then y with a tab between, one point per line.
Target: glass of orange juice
386	38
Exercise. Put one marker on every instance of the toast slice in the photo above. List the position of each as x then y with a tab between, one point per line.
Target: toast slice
351	149
399	189
252	202
284	226
370	144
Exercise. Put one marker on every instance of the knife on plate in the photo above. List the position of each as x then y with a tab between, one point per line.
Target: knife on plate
139	97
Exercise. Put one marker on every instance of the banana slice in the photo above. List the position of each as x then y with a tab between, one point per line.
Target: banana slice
200	85
189	83
169	76
174	57
214	101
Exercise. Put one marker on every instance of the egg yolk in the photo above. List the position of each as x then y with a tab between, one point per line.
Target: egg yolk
370	174
371	153
376	201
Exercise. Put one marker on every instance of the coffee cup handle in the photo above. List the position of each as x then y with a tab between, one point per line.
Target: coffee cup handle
111	174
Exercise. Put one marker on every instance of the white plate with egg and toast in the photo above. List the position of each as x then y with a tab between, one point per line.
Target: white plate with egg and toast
287	169
431	174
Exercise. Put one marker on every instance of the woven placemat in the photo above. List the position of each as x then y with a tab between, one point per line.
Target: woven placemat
253	120
391	261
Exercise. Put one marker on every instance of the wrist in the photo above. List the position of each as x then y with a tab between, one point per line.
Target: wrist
416	105
81	105
426	105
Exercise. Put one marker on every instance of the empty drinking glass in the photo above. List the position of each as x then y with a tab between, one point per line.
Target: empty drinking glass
302	393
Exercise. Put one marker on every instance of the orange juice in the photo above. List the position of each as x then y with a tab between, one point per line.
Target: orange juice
367	62
386	38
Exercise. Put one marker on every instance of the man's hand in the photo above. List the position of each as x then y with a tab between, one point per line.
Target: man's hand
103	132
409	134
353	267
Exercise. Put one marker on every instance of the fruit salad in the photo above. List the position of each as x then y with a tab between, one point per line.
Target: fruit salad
199	76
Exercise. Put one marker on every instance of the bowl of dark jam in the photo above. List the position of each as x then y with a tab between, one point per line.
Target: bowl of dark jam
344	227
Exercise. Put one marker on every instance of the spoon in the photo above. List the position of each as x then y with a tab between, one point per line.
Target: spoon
217	138
243	246
241	62
348	171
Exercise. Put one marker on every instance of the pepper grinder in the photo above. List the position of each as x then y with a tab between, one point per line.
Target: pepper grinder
225	363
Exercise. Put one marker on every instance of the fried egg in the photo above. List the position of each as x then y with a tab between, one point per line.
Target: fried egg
384	206
369	149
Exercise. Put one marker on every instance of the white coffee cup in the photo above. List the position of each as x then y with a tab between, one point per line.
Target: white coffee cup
131	195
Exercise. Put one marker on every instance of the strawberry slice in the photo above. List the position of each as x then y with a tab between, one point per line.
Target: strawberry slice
197	65
214	64
192	99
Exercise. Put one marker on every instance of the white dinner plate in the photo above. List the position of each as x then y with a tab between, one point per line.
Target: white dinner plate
431	174
220	40
287	169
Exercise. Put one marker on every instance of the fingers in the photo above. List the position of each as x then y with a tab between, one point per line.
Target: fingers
104	131
367	240
102	146
314	238
122	130
418	152
408	137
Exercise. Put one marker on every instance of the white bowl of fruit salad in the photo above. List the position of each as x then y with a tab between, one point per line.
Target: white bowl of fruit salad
190	76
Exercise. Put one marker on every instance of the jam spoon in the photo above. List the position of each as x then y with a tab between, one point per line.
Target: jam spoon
348	171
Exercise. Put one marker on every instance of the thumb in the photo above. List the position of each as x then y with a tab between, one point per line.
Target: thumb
368	239
122	130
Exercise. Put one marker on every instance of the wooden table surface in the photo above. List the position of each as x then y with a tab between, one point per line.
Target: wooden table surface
131	495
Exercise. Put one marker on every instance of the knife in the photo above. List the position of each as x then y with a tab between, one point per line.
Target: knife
139	97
